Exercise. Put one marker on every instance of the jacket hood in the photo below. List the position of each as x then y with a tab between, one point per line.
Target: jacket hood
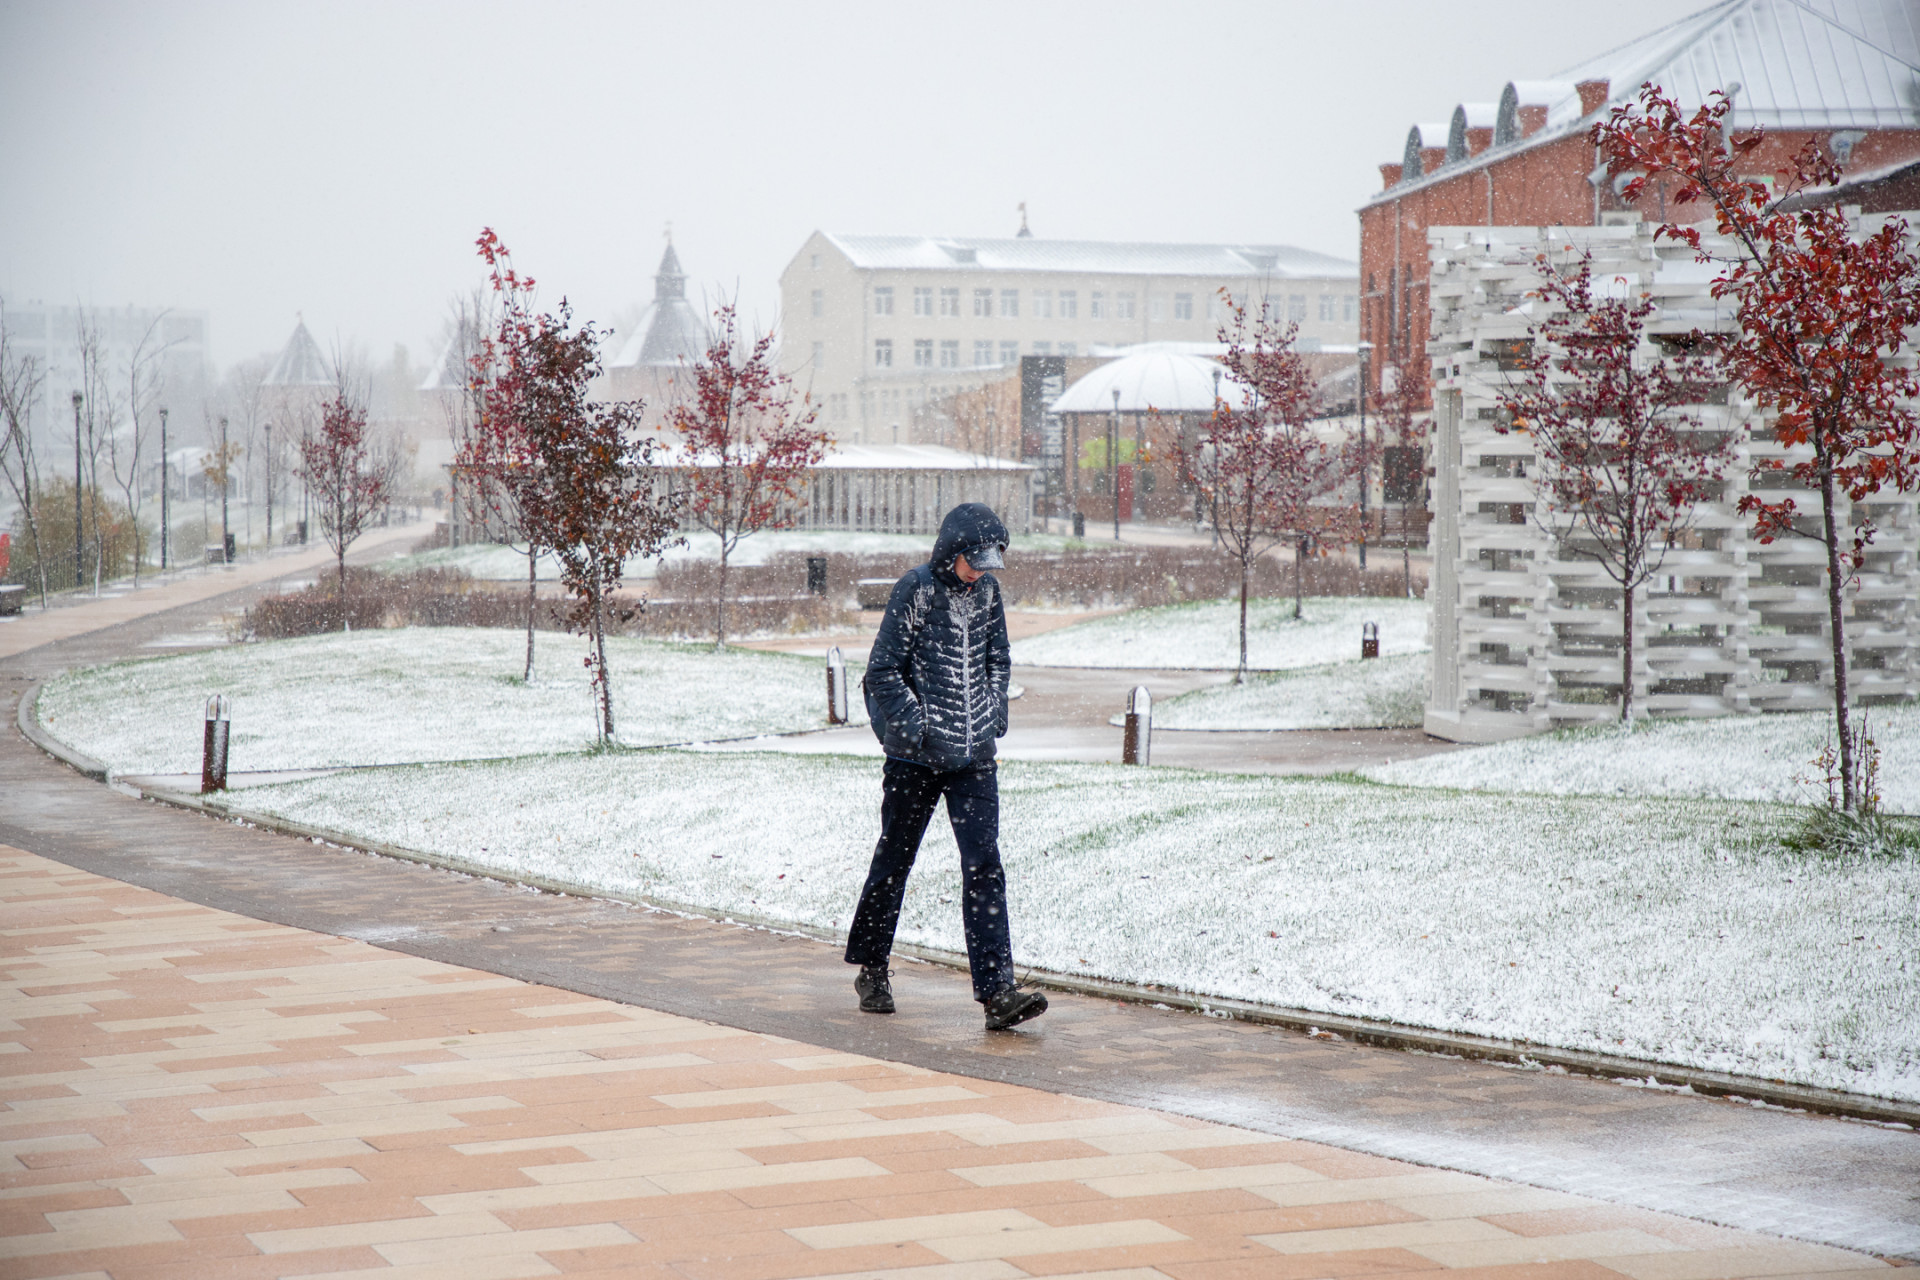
969	525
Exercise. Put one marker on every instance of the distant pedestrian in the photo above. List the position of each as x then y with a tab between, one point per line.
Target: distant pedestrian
936	691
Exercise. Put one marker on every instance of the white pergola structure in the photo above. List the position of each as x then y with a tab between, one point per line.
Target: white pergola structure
1527	637
909	488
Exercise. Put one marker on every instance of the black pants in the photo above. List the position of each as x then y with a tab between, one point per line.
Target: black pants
910	792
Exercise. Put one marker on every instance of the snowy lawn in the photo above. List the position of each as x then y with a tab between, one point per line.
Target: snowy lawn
1205	635
1671	930
1735	758
423	693
498	563
1387	693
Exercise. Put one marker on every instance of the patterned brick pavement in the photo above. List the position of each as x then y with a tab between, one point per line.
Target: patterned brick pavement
193	1093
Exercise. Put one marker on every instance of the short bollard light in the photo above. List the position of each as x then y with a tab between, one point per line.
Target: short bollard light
213	755
1136	743
836	687
1369	639
816	575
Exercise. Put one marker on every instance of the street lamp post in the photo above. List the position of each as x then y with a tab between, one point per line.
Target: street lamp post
79	559
1113	470
269	488
165	466
1366	352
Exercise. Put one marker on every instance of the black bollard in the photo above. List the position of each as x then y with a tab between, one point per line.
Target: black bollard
213	753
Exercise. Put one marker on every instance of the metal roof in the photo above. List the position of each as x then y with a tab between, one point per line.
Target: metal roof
1152	380
300	363
1790	64
671	332
1102	257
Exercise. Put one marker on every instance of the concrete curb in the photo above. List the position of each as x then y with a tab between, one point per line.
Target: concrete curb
1380	1034
27	717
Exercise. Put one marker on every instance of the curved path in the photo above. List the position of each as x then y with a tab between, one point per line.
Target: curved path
1805	1176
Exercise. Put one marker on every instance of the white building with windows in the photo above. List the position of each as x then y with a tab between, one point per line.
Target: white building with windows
876	326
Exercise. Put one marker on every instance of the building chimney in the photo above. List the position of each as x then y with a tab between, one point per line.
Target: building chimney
1593	95
1533	118
1389	175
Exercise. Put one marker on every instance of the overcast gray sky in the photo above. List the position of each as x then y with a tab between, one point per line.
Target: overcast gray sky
338	159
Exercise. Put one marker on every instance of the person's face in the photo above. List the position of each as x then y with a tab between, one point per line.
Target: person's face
967	573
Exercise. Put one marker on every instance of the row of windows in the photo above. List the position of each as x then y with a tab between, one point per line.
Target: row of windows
985	354
1046	304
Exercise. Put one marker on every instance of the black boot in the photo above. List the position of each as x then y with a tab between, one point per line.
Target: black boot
876	992
1011	1006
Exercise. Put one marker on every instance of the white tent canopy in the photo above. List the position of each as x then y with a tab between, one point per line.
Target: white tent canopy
1153	379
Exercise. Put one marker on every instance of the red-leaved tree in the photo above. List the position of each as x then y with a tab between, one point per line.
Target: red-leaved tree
496	471
1263	476
585	471
1621	463
750	442
1821	306
350	476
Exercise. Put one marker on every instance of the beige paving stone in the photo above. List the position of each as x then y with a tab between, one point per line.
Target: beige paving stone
1075	1170
506	1268
1393	1186
938	1226
536	1240
1386	1235
579	1191
767	1175
985	1269
1777	1258
1522	1249
432	1226
1022	1244
1185	1180
1490	1202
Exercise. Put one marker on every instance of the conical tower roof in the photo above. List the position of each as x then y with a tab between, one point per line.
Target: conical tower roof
300	363
671	333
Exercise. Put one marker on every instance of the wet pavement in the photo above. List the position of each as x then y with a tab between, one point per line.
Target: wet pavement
1764	1169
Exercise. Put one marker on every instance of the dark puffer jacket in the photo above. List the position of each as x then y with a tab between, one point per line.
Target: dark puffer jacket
936	684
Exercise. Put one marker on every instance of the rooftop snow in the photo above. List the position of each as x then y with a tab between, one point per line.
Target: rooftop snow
1103	257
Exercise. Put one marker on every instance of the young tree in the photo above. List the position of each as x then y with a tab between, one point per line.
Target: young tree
496	474
124	448
1621	463
21	378
1263	476
749	442
1823	308
349	475
584	471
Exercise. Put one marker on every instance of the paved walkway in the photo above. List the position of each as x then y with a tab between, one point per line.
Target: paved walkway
195	1093
1803	1175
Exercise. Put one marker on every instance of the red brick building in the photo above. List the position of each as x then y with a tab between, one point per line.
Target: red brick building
1843	72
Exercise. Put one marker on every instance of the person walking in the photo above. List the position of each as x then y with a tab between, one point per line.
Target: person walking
936	693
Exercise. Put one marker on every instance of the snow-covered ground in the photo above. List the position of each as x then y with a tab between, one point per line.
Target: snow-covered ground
1736	758
1672	930
1386	693
498	563
423	693
1205	635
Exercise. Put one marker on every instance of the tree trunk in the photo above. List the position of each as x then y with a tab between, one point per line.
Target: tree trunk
533	555
1626	655
600	653
720	607
1240	676
1836	616
1299	585
39	548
